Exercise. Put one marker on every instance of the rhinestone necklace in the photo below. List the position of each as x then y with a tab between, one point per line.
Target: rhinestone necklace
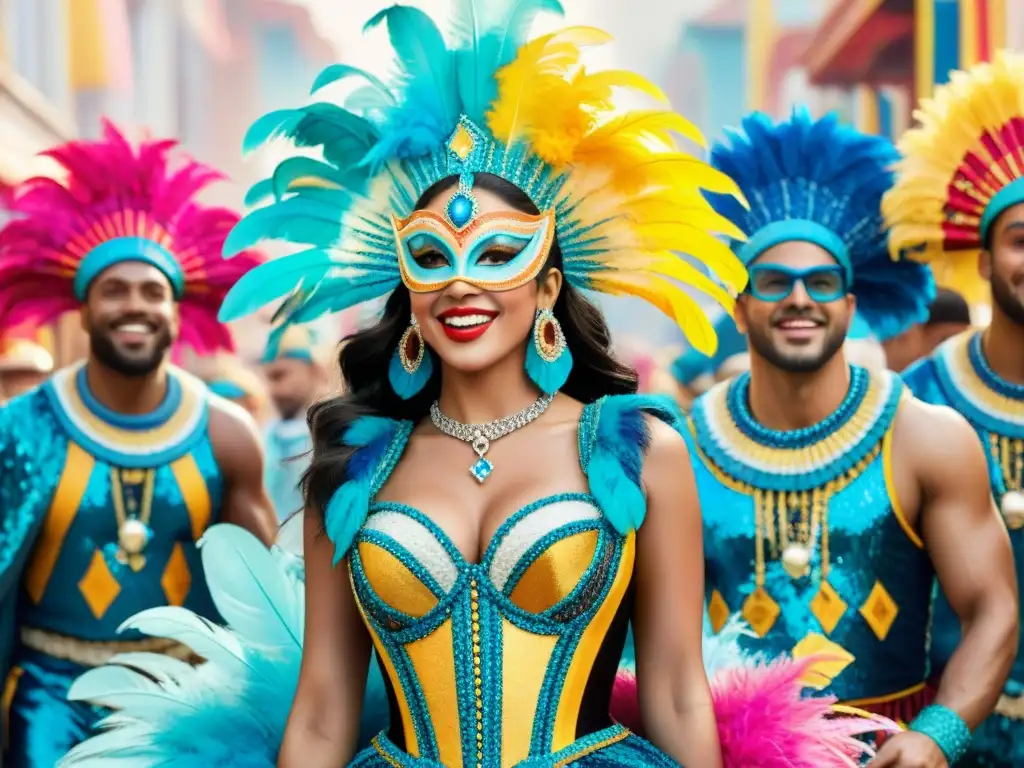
480	436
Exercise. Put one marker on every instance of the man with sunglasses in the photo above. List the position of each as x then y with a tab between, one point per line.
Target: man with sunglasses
975	224
828	500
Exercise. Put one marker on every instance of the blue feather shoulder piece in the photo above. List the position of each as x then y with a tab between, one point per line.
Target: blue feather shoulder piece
379	443
613	440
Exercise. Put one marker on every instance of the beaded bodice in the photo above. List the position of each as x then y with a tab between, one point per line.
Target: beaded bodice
492	663
111	477
805	538
958	376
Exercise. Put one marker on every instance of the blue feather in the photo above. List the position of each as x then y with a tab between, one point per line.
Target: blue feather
295	168
259	192
830	173
278	123
341	297
549	377
408	385
295	220
270	281
616	459
344	137
336	72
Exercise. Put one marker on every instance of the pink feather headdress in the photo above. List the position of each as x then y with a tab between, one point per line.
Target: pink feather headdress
113	191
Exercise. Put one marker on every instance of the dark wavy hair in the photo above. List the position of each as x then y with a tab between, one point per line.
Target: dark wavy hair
366	354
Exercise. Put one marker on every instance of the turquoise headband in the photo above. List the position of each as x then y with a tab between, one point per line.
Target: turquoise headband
297	353
800	230
121	249
227	389
1007	197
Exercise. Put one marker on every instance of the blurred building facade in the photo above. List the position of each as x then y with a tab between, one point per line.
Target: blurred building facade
885	55
198	70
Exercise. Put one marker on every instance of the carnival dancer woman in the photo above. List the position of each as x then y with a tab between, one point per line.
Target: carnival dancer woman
498	505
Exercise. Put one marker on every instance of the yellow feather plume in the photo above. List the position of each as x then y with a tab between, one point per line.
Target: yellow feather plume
961	154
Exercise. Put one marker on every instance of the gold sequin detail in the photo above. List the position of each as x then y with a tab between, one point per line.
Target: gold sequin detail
461	143
879	611
718	611
474	605
760	611
828	607
99	587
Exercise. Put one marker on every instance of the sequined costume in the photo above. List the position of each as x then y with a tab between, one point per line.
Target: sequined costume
510	661
803	532
962	168
100	510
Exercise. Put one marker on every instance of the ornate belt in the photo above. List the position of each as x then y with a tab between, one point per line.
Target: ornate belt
95	654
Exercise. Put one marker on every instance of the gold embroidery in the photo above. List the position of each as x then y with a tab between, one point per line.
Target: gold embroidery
760	611
177	578
98	586
718	611
828	607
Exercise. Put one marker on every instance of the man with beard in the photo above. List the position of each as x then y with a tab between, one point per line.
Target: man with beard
294	380
113	469
959	201
829	504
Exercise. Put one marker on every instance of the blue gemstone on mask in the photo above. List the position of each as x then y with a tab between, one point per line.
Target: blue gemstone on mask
460	209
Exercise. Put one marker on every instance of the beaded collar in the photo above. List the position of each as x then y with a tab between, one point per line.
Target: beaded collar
975	390
797	460
133	442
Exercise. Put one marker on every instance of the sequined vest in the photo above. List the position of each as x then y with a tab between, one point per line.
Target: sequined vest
512	658
804	537
127	499
957	375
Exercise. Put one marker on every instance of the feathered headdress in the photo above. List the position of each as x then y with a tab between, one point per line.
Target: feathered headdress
626	199
822	182
962	166
117	204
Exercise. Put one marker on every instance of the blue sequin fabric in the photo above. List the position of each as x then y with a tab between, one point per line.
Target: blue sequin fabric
509	661
958	376
803	537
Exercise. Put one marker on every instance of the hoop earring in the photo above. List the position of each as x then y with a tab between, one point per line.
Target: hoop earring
548	359
411	364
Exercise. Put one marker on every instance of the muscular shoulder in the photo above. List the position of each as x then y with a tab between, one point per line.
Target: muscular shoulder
936	437
233	433
666	448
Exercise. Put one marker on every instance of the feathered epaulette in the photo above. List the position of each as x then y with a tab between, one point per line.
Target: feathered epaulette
764	718
613	441
379	443
963	163
173	715
807	177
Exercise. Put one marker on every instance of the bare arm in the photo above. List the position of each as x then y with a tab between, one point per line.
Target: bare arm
323	727
675	700
236	444
968	544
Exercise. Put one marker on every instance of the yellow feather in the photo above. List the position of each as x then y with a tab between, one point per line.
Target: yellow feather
620	78
625	133
658	211
670	299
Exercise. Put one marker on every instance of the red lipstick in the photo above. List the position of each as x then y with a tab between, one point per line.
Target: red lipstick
466	333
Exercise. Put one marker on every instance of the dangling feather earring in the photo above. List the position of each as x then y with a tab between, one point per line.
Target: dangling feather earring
411	365
548	360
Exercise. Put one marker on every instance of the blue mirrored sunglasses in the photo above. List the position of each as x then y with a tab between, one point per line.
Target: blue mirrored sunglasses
774	282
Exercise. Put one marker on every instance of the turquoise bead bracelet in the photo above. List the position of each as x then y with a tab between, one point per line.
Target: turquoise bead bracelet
946	728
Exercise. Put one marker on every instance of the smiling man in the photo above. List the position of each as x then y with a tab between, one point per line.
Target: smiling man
829	504
959	200
112	470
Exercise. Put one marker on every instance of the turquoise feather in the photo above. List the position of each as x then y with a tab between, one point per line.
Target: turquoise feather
259	192
407	385
616	459
367	99
281	122
339	298
272	280
345	137
348	507
295	219
336	72
549	377
295	168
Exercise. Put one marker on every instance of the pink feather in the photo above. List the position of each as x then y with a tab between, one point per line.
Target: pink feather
114	190
766	721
